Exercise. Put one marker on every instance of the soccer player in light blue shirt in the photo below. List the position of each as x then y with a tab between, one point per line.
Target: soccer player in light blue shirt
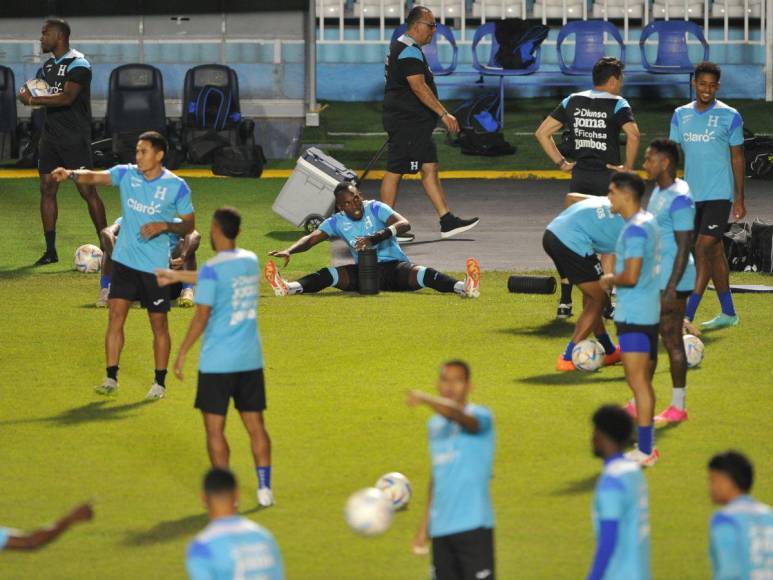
11	539
362	225
710	134
151	197
637	313
231	359
231	546
459	516
742	530
572	240
674	210
620	503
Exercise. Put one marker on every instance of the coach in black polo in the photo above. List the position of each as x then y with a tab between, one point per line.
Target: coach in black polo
411	113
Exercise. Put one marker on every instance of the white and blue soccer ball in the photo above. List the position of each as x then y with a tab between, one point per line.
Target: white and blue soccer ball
397	488
37	87
588	355
693	348
88	259
369	512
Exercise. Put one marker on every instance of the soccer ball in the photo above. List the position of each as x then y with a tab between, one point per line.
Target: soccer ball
369	512
693	347
88	259
397	488
588	355
36	88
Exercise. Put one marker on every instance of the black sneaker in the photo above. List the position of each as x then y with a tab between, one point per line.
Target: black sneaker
405	238
609	312
564	311
47	258
450	225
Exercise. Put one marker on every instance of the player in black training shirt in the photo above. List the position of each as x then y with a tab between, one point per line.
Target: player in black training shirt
66	137
411	113
595	119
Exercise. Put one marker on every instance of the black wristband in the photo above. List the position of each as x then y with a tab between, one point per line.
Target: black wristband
381	235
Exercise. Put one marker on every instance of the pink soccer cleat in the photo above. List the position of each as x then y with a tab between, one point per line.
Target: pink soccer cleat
630	408
274	279
671	415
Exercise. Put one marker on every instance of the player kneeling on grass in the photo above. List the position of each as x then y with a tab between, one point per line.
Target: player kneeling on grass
742	530
638	304
16	540
231	546
231	359
182	257
364	224
459	516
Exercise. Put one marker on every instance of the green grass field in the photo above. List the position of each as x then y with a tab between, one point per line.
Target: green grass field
337	370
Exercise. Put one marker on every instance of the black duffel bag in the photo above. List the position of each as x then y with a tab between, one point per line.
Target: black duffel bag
762	246
241	161
737	241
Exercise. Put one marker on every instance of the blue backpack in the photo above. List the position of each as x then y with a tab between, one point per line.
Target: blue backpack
211	109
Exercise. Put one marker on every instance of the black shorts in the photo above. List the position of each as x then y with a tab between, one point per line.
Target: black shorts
571	265
393	277
130	284
67	155
410	147
215	390
464	556
174	291
590	181
711	217
635	342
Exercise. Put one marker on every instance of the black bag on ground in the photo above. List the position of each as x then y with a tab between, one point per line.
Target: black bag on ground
241	161
762	246
518	42
758	152
737	242
201	150
480	133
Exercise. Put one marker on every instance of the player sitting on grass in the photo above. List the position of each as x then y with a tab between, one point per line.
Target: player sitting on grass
363	224
183	257
620	503
231	546
742	530
16	540
674	210
638	304
573	240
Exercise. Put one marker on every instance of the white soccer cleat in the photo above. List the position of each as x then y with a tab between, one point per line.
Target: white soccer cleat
108	387
186	298
102	300
156	392
642	458
265	497
472	279
275	280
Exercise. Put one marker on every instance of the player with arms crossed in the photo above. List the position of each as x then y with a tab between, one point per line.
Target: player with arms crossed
710	134
620	504
66	137
15	540
231	546
363	224
674	210
231	360
151	197
742	530
459	516
637	313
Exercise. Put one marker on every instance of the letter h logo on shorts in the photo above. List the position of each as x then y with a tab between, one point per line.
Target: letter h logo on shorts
414	165
160	193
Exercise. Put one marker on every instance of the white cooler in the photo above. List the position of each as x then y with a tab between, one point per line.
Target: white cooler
307	197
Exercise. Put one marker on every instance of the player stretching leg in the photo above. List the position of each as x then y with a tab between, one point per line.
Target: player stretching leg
674	210
742	529
620	502
711	136
231	360
151	197
638	304
461	440
572	241
15	540
66	137
364	224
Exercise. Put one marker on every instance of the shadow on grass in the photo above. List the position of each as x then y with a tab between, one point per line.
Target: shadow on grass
436	241
286	236
553	329
578	486
568	379
90	413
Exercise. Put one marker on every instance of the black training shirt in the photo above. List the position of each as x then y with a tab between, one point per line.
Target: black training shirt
401	105
68	124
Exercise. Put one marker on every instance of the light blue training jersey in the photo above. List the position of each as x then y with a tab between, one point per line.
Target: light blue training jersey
228	283
374	219
234	547
173	238
621	495
706	138
588	227
462	464
639	304
674	211
742	541
143	202
4	535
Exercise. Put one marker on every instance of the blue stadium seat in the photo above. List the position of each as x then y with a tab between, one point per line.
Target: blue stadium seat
589	44
492	67
672	56
431	52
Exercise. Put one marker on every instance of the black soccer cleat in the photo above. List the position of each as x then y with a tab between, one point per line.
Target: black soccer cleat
47	258
405	238
564	311
450	225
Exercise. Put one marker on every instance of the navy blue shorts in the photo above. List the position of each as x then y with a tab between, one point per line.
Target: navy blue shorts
638	338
